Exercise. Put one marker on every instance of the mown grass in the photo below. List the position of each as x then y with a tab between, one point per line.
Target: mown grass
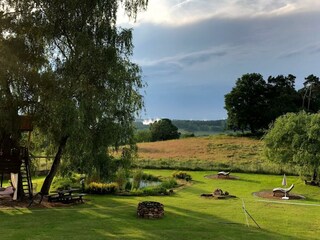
219	152
187	215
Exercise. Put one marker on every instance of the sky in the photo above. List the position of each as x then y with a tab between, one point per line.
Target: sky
191	52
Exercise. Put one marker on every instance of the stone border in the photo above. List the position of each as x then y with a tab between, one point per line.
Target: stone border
268	194
229	177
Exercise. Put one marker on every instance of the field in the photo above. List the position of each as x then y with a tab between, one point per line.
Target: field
219	152
187	215
220	148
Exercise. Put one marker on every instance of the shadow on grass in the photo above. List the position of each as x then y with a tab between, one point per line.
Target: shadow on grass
115	218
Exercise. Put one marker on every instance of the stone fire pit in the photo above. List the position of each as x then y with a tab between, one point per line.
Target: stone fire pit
151	210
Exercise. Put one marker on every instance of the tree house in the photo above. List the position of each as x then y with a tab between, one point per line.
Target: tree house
15	160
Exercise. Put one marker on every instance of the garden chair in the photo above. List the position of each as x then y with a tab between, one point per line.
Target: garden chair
282	191
222	173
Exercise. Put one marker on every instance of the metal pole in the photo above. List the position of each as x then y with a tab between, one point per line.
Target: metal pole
245	213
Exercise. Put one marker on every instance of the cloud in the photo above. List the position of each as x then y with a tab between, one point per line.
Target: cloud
307	50
173	64
178	12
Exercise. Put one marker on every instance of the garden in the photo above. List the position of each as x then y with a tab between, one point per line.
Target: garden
187	214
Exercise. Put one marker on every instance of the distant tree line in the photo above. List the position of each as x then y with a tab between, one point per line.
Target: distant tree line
161	130
203	126
254	103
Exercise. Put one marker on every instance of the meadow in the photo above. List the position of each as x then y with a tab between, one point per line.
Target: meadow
187	215
217	152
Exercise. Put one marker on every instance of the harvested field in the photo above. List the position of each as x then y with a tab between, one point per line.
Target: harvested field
215	148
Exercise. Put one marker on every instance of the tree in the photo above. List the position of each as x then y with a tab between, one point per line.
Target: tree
247	104
282	96
311	94
87	91
163	130
295	139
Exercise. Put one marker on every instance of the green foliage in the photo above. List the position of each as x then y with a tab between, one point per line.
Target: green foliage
169	183
200	126
182	175
295	139
102	188
282	96
143	136
246	103
70	67
137	177
254	103
65	182
150	177
155	191
311	94
121	178
250	166
163	130
187	135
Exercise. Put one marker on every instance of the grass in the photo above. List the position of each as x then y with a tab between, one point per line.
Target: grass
219	152
187	216
214	148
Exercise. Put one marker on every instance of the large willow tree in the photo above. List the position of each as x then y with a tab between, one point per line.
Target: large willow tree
79	84
294	139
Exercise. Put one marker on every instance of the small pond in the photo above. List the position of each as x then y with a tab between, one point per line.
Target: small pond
145	183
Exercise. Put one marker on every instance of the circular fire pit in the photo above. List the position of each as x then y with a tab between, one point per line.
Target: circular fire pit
151	210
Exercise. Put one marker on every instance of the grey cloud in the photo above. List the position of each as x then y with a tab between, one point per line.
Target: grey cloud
171	65
311	49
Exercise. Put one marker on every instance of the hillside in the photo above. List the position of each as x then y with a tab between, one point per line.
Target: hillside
214	148
219	152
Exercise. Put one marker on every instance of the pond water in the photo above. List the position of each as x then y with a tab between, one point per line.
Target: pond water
144	183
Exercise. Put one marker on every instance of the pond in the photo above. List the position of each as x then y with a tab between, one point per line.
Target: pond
145	183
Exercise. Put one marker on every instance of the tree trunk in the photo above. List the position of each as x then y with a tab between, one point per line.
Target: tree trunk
54	168
315	175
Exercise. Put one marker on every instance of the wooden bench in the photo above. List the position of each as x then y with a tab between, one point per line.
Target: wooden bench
73	198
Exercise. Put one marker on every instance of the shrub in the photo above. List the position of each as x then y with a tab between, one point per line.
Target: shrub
136	192
137	177
102	188
72	181
121	178
182	175
154	191
187	135
171	183
128	186
149	177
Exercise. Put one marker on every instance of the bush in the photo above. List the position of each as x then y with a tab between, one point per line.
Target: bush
154	191
102	188
137	177
182	175
121	178
187	135
171	183
149	177
73	181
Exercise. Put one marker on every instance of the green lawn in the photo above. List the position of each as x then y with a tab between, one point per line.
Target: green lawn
187	216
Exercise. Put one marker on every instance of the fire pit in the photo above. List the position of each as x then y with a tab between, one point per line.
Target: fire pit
151	210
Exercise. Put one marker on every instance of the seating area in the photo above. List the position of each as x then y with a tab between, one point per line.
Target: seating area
66	196
280	192
223	174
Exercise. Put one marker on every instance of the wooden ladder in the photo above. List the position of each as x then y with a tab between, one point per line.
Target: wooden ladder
25	174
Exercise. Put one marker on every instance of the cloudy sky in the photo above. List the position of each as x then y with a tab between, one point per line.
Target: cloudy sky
192	51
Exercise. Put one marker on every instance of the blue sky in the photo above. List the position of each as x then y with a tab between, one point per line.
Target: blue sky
192	52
